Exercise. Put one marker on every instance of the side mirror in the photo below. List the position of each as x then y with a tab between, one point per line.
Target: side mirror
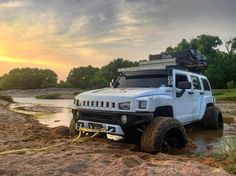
184	85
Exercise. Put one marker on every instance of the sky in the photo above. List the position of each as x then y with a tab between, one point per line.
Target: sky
63	34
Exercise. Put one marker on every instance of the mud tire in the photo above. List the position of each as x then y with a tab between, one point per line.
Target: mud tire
163	133
213	118
72	130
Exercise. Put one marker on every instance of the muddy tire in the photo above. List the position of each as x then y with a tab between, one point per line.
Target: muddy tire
72	130
162	134
213	118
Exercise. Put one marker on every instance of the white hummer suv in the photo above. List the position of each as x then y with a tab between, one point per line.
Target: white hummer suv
151	102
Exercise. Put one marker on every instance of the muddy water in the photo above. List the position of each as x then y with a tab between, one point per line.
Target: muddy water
60	118
205	140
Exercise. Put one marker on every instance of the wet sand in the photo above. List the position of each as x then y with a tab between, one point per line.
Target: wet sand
96	156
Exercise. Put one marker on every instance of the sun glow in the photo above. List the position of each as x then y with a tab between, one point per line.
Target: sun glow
28	61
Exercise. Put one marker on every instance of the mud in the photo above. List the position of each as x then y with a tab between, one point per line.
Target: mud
96	156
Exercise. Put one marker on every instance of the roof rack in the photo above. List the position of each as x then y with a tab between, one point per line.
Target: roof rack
190	60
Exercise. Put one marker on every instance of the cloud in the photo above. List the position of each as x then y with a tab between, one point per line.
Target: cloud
13	4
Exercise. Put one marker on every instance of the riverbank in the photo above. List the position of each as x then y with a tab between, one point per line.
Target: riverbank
96	156
64	93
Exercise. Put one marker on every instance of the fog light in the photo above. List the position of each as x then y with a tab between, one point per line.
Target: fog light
124	119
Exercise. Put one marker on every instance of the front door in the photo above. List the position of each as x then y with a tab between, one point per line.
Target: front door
184	102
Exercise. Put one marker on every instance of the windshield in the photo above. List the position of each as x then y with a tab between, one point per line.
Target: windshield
147	79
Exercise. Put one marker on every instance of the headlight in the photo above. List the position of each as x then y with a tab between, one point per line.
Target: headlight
142	104
124	105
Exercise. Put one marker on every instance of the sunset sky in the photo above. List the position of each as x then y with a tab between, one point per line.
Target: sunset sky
62	34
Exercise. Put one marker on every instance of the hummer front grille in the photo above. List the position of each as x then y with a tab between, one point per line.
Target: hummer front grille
90	104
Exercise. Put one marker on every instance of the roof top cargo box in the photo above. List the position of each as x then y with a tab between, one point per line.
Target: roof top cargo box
191	60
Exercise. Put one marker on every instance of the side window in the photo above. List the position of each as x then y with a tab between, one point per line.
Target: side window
206	85
196	83
180	78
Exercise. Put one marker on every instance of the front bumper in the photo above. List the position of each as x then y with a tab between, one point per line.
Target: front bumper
111	120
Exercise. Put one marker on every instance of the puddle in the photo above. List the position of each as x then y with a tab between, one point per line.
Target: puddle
205	140
61	118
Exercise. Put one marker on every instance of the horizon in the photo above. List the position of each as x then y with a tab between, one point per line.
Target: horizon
60	35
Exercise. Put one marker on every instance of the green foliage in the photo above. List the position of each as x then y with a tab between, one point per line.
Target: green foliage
228	151
207	44
225	94
183	45
63	84
28	78
90	77
231	84
48	96
221	66
110	71
230	45
7	98
81	77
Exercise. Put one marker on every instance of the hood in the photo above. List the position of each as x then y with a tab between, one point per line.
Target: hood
125	92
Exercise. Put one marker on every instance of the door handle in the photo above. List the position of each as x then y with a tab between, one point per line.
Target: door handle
201	93
190	93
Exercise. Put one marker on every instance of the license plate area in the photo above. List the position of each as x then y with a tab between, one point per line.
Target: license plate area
95	126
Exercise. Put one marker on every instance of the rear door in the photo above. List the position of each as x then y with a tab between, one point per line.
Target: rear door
196	96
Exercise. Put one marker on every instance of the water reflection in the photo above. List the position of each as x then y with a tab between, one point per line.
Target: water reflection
61	118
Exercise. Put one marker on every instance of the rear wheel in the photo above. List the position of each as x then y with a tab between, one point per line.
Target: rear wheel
162	134
213	118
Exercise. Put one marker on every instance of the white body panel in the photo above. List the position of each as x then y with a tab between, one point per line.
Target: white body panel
187	108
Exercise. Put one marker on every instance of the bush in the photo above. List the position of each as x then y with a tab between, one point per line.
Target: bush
228	151
48	96
28	78
225	94
231	85
7	98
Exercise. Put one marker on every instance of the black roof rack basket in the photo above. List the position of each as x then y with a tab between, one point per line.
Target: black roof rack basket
190	59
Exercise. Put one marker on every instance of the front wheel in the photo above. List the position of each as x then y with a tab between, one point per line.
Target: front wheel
163	133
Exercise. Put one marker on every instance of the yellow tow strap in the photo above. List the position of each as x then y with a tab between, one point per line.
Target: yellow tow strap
77	140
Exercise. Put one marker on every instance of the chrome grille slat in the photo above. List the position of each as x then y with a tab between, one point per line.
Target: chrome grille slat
91	104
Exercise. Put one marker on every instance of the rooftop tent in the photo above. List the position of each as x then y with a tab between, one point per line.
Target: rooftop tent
191	60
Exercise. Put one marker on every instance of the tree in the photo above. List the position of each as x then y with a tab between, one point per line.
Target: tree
81	77
183	45
91	78
221	66
169	49
110	71
230	45
28	78
207	44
